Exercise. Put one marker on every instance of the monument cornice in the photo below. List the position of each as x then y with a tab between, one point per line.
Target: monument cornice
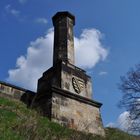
77	97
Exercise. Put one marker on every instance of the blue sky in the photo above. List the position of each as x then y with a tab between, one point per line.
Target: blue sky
24	23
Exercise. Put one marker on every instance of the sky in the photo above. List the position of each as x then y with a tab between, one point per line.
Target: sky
107	45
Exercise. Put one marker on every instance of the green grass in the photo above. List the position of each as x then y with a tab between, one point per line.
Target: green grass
19	123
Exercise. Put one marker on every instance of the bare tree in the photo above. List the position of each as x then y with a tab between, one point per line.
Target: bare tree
130	86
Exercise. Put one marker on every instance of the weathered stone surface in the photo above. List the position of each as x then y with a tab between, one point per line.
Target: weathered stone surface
63	37
10	90
61	76
64	91
76	115
75	80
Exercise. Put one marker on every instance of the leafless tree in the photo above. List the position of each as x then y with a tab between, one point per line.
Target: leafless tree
130	86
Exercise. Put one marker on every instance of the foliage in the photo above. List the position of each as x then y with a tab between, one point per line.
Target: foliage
19	123
130	86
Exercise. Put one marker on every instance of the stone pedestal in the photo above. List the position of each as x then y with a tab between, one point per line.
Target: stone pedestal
64	91
60	101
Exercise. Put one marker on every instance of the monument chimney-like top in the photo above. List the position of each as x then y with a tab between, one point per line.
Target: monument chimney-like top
59	15
63	37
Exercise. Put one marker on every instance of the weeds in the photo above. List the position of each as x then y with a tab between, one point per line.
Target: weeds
19	123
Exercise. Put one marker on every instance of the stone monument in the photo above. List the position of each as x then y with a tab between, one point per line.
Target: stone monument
64	91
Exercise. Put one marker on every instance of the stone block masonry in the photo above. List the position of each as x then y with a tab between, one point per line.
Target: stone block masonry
75	113
64	93
15	92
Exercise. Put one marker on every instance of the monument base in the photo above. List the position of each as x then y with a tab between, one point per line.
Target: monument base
71	110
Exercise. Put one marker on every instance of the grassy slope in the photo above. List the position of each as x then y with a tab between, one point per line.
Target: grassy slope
19	123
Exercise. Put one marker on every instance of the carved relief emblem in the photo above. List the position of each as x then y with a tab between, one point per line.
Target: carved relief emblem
78	85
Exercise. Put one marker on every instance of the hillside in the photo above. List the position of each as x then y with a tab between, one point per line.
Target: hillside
19	123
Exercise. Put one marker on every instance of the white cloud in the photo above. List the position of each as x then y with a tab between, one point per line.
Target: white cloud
41	20
89	49
123	122
29	67
11	10
111	124
103	73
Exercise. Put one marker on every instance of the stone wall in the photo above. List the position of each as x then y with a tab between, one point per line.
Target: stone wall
12	91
